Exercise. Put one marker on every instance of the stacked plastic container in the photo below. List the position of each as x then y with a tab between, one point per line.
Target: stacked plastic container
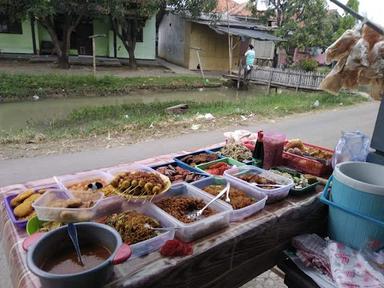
273	194
192	231
236	214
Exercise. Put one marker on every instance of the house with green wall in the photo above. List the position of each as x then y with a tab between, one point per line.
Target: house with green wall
28	37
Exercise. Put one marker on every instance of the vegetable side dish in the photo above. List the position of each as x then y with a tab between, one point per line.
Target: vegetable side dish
236	151
239	199
181	206
133	226
301	180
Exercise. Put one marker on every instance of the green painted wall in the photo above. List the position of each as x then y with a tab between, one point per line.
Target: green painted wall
101	26
145	49
22	43
18	43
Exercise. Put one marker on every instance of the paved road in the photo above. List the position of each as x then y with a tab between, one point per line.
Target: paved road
322	128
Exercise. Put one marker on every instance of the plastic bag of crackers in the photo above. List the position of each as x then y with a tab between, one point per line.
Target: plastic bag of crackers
360	61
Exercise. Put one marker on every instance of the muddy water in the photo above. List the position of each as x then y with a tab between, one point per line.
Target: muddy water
18	115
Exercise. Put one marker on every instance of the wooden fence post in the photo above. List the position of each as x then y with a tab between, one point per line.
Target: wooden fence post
298	83
270	81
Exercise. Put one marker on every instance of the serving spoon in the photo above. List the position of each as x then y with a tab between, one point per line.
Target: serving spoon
196	215
72	232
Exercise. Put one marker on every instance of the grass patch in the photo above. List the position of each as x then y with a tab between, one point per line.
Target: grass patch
15	87
137	118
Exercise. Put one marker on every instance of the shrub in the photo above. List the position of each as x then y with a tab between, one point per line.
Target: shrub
308	65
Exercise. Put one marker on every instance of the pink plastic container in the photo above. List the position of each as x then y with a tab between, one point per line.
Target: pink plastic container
273	149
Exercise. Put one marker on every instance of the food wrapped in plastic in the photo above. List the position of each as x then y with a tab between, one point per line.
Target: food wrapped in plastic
377	88
358	57
342	46
376	61
371	36
350	78
333	81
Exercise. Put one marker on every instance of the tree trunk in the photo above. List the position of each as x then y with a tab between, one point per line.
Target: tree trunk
132	59
48	25
63	60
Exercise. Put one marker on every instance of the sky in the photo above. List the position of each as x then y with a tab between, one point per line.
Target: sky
373	9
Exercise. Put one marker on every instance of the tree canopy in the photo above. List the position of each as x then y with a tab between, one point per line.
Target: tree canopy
306	23
47	12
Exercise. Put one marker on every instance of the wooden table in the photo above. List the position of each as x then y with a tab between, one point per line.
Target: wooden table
228	258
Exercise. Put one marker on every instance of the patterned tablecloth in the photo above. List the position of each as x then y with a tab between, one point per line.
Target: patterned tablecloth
272	227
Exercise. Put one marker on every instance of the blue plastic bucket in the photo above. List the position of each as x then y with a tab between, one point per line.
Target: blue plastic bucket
356	203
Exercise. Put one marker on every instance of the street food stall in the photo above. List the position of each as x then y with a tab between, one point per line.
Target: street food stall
241	239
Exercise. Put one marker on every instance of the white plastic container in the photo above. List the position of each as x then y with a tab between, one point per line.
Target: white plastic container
92	176
273	194
151	245
65	215
237	214
192	231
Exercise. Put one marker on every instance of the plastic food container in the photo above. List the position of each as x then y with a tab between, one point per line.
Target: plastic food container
178	158
308	165
151	245
65	215
238	214
15	192
246	162
273	194
273	149
192	231
229	161
181	165
68	180
297	191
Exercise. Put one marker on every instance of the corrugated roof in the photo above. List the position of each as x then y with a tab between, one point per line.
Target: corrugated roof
247	33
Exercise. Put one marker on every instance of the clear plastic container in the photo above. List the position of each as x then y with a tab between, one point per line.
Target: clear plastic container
151	245
273	149
17	190
183	166
237	214
84	178
273	194
65	215
192	231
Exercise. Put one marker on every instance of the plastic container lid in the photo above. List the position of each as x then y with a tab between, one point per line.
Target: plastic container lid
273	194
362	176
192	231
92	176
236	214
46	213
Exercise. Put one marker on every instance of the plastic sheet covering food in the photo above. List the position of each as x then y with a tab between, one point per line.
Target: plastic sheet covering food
342	46
360	61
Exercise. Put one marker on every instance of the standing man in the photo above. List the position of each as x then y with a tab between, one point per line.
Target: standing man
249	60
